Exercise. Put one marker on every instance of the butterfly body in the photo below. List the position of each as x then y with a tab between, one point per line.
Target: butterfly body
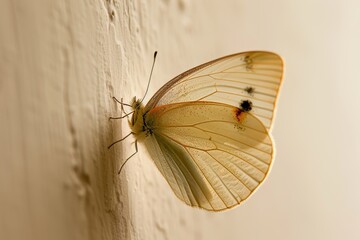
207	130
137	123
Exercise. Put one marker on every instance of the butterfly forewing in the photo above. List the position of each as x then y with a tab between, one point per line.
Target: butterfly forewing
254	76
212	155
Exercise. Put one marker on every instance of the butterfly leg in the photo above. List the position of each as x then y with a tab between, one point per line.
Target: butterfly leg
119	140
110	118
136	151
122	108
121	103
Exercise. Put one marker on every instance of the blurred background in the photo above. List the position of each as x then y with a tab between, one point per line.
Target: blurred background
61	62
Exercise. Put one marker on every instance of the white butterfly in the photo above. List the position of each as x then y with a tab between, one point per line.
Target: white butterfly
207	130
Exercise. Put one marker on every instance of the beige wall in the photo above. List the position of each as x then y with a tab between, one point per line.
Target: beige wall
61	61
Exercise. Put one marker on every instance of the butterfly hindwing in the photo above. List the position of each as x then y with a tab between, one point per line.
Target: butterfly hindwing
213	155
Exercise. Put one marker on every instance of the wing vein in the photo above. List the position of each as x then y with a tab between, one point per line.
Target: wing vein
217	148
207	179
183	177
192	176
253	73
256	63
218	134
227	188
245	83
232	172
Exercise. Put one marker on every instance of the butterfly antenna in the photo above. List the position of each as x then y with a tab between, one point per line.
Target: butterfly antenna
152	68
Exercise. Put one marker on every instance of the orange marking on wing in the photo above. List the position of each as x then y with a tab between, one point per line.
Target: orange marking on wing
240	115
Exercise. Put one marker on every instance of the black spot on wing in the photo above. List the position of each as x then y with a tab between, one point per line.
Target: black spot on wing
246	105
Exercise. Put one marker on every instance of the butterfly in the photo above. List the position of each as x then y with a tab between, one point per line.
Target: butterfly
207	130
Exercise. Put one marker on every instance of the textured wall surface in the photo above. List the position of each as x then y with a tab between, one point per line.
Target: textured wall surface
62	61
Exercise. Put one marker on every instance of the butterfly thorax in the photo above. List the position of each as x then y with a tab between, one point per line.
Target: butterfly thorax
137	123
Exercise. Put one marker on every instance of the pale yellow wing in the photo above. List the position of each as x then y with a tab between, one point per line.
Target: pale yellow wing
254	76
213	155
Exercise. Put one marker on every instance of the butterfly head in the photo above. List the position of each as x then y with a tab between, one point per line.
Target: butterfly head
136	104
